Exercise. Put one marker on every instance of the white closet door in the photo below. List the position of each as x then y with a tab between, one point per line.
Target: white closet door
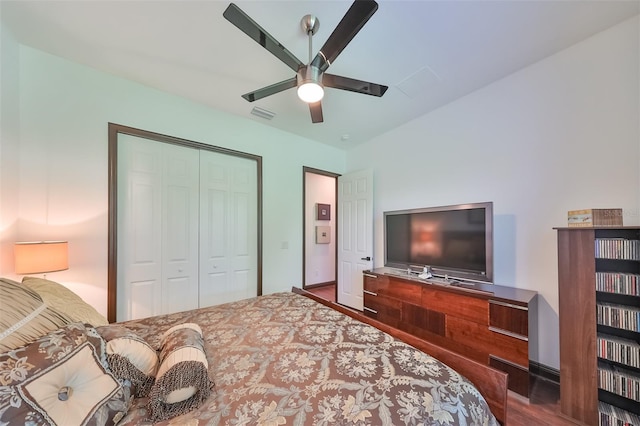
180	211
228	228
139	223
157	228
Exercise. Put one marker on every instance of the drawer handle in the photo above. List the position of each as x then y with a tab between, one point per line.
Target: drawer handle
370	310
508	305
508	333
370	293
370	276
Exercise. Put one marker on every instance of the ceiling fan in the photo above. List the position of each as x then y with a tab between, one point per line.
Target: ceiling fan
311	78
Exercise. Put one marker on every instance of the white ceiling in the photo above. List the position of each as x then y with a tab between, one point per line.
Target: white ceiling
429	53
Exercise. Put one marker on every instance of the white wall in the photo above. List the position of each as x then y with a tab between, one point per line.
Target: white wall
9	148
559	135
64	111
320	259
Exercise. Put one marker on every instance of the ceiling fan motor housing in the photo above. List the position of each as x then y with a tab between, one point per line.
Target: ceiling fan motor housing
309	74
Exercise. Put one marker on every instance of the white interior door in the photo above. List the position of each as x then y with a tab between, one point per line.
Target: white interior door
157	228
228	228
355	235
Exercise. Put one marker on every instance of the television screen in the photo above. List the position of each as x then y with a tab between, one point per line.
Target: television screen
452	240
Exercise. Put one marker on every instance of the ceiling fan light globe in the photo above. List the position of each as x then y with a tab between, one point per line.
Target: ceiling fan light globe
310	92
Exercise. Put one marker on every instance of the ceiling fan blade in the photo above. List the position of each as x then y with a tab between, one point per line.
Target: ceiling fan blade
271	90
316	112
352	22
248	26
352	85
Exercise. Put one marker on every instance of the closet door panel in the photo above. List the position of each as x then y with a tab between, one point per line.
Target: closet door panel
141	292
139	219
180	223
214	261
244	190
228	266
214	223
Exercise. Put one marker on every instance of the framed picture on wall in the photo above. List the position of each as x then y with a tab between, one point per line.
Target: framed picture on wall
323	234
323	212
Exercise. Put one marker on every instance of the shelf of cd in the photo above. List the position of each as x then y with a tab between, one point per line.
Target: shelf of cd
610	415
618	325
619	350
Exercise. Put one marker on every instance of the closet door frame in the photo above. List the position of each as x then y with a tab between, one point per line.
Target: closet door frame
112	266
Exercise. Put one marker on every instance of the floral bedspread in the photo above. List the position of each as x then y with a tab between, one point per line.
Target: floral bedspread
284	359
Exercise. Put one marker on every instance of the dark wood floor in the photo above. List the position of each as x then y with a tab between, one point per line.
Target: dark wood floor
540	409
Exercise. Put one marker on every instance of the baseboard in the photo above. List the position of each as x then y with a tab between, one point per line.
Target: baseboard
544	372
328	283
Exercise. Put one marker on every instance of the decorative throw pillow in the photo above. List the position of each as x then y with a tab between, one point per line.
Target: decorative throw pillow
60	379
182	382
24	316
130	357
66	301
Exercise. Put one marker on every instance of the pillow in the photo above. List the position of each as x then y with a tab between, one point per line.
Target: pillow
24	316
60	379
66	301
182	382
130	357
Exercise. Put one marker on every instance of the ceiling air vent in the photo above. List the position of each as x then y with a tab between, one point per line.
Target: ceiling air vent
263	113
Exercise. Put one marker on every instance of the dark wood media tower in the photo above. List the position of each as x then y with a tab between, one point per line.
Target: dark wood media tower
588	343
484	322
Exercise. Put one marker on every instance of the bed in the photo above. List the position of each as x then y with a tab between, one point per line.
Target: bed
294	359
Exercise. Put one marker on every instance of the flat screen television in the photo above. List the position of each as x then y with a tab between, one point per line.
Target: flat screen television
454	241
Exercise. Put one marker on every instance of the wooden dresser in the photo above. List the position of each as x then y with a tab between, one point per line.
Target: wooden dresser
488	323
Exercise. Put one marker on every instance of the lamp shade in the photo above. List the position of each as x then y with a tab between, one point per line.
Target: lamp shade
40	257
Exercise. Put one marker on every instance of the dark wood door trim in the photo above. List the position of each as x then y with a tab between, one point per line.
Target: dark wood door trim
306	170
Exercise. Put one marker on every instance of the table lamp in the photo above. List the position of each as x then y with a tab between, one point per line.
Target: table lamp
41	257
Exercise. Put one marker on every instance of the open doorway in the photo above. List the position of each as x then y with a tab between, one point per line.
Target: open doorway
319	251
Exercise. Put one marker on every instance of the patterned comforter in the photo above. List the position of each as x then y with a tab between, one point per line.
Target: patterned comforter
284	359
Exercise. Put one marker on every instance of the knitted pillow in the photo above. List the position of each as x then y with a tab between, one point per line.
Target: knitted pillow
24	317
130	357
60	379
182	382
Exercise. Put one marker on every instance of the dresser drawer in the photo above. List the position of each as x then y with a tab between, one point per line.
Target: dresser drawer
480	337
403	290
383	309
420	320
508	317
460	306
370	283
